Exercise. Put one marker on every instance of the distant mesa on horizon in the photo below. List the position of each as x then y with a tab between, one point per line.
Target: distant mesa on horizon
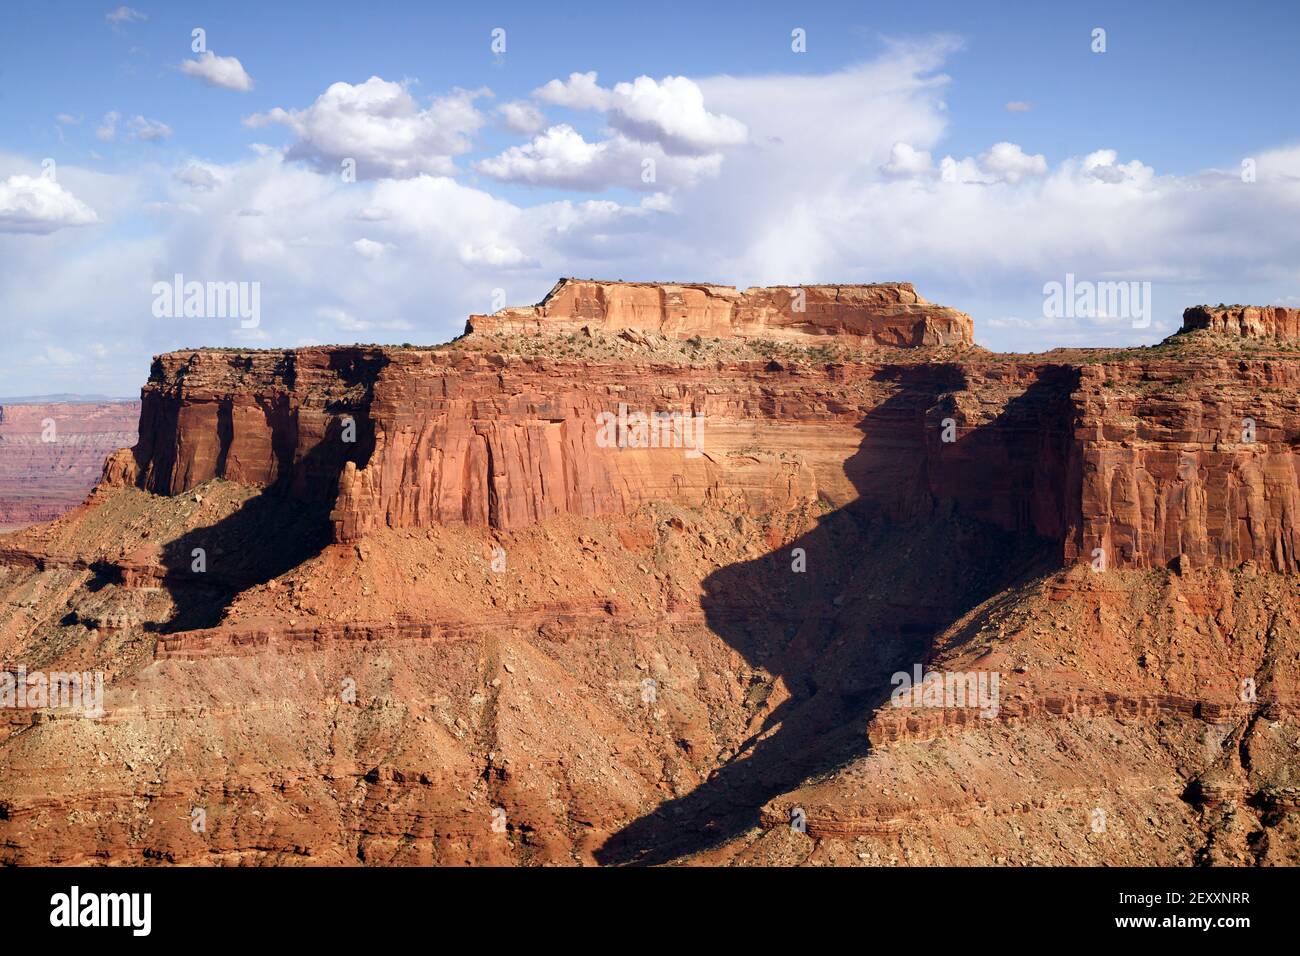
64	398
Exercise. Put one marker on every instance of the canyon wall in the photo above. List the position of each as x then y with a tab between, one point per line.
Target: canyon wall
885	314
267	418
928	488
1194	461
447	437
51	454
1247	321
1140	461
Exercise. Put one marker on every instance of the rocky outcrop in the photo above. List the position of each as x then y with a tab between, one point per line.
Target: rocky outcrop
1132	463
51	454
269	418
884	314
477	604
1193	461
1246	321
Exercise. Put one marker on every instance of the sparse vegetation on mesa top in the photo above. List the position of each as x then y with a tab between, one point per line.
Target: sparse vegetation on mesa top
696	350
601	346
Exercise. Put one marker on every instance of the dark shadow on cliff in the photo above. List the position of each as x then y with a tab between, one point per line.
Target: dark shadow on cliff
884	576
288	522
272	533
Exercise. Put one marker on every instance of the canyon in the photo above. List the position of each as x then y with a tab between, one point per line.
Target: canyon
52	453
400	605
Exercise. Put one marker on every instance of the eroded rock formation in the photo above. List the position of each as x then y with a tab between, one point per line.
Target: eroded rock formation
885	314
1247	321
364	604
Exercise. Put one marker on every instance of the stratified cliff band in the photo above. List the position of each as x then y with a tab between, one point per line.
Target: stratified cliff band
629	576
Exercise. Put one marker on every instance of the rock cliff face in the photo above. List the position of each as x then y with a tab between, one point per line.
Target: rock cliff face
1193	459
262	418
361	604
886	314
1247	321
51	454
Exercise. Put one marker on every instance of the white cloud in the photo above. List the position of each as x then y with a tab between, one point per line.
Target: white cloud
36	204
579	92
495	254
1018	106
198	176
58	355
657	202
379	125
905	161
820	192
520	116
223	71
1101	165
67	119
107	128
1008	163
149	130
369	249
124	14
1003	163
669	112
561	158
347	322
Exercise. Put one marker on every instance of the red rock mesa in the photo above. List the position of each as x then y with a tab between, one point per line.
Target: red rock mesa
888	313
404	606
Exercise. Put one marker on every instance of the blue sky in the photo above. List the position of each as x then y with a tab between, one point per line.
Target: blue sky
773	166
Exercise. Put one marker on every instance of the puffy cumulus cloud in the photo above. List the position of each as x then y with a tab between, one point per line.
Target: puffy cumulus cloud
496	255
562	158
1003	163
1101	166
380	125
520	116
669	112
440	248
1008	163
37	204
223	71
905	161
820	192
198	176
579	92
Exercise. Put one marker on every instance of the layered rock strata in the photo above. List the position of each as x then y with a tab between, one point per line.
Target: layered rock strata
1246	321
51	454
884	314
463	605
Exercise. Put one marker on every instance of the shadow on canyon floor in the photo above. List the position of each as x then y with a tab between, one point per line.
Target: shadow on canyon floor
270	534
288	522
884	575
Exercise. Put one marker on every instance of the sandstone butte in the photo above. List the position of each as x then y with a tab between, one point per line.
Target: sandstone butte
889	313
357	603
